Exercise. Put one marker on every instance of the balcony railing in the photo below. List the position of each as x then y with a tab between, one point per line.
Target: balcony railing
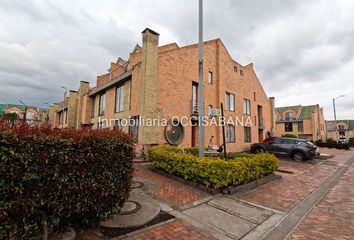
194	108
287	119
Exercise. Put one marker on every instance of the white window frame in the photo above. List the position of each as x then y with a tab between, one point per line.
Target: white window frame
119	99
246	107
230	102
230	133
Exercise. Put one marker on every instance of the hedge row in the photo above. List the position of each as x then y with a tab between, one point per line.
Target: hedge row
64	177
333	145
212	172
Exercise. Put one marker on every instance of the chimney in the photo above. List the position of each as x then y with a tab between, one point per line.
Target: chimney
272	111
148	87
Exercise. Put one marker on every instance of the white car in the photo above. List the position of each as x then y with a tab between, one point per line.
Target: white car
341	140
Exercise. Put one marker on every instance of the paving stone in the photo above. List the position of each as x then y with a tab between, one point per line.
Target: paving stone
243	210
220	220
333	217
148	211
167	189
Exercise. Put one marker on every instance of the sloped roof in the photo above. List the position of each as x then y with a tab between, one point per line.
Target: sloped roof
3	107
306	112
350	123
283	109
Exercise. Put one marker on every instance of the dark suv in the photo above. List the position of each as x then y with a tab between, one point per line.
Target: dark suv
298	149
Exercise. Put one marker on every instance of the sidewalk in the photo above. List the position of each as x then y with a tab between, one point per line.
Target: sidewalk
254	214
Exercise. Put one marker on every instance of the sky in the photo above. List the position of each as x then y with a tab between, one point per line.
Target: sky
302	51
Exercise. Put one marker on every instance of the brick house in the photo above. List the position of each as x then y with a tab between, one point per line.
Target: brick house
304	121
34	115
345	128
161	82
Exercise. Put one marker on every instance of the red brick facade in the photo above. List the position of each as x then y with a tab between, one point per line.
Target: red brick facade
157	83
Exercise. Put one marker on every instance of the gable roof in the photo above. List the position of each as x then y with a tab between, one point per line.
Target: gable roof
283	109
350	123
306	112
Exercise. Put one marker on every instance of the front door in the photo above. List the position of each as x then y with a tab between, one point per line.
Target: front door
194	136
260	135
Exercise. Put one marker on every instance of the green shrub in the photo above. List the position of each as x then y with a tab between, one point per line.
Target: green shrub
233	155
191	150
333	145
70	178
289	135
351	142
213	172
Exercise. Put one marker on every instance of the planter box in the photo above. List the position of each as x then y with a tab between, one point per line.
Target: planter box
226	190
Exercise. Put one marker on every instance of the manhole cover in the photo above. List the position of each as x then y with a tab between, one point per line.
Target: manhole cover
129	207
136	184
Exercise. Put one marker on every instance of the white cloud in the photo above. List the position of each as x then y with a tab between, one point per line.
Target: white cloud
303	51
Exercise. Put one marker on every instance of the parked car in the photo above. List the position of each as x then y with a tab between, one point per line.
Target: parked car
298	149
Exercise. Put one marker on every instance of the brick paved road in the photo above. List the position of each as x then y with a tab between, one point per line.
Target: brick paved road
170	190
177	229
333	217
285	193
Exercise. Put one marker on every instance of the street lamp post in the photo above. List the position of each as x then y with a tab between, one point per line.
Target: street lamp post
62	114
201	82
24	115
47	114
335	115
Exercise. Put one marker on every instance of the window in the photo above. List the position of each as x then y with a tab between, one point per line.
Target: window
210	78
93	107
134	128
120	98
195	97
300	127
247	134
288	141
29	116
288	127
210	107
246	107
289	116
235	68
230	133
241	72
102	104
230	102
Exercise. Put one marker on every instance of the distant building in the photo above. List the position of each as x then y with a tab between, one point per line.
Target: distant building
160	82
345	128
34	115
303	121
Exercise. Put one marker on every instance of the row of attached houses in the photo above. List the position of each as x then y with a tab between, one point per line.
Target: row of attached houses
161	83
34	115
303	121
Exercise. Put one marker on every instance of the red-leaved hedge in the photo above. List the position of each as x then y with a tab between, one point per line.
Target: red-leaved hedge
66	177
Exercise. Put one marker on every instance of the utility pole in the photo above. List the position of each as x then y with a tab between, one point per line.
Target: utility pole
25	114
201	82
62	118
